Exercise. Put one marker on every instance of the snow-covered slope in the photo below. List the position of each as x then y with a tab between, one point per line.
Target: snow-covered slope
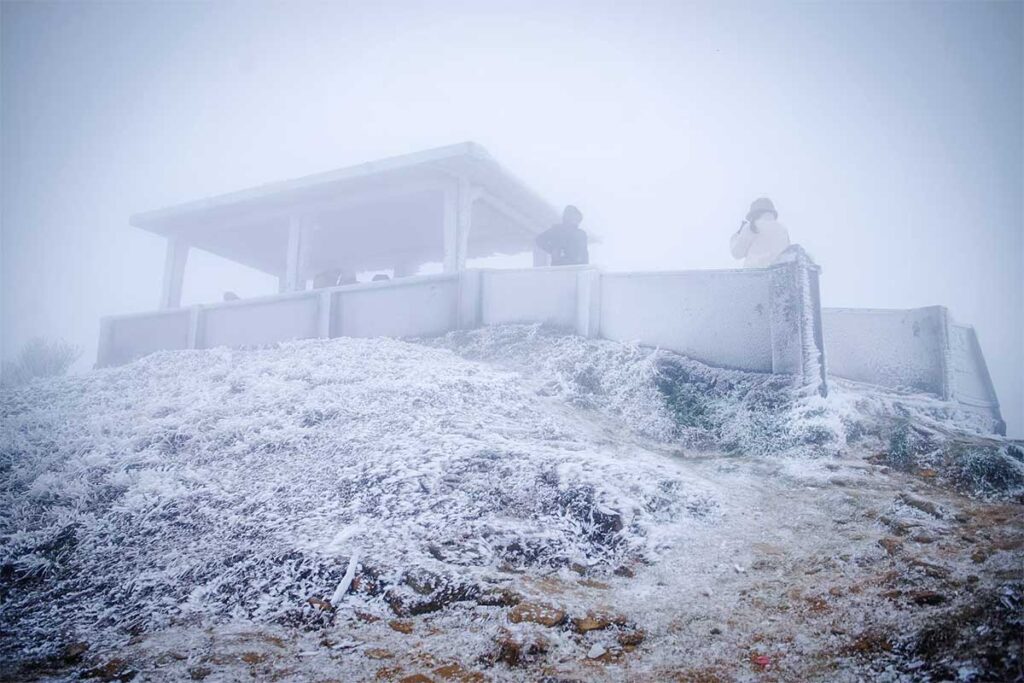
324	483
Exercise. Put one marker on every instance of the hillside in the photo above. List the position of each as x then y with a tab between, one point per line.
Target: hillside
494	505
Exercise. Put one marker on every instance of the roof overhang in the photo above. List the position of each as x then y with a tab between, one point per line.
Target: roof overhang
376	209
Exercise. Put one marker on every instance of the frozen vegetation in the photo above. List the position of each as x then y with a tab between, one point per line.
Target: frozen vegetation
498	504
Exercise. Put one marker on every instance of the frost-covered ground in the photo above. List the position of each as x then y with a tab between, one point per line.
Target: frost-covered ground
500	504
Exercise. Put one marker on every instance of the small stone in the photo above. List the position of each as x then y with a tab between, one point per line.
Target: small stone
499	597
320	603
514	652
891	545
596	651
922	538
537	613
921	504
927	598
631	639
198	673
73	652
625	572
715	631
594	622
378	653
979	556
114	670
401	626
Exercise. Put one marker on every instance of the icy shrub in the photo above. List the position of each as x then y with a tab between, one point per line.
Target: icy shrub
40	358
658	394
985	472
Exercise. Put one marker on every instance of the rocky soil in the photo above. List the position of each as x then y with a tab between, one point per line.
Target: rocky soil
506	505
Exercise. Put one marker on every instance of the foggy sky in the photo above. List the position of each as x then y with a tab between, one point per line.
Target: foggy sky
889	136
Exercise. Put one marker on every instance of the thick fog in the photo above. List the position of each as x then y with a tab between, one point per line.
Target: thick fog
889	137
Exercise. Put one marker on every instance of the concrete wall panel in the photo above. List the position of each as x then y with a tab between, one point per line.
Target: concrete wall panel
258	322
424	308
530	296
898	349
717	317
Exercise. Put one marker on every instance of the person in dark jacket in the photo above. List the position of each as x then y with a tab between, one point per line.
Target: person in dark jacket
566	242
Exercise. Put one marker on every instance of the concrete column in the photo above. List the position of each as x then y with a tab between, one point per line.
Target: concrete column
471	299
588	302
105	351
450	225
324	313
795	324
195	329
174	273
541	258
289	282
457	224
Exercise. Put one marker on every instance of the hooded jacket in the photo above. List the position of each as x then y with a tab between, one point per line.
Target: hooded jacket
761	242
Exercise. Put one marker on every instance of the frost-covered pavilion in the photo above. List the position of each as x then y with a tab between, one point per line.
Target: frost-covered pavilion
441	205
452	203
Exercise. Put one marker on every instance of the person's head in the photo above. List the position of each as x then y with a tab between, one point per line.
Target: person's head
572	216
760	207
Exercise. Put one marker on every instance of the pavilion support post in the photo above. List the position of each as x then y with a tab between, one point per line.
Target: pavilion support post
458	222
541	258
174	273
289	282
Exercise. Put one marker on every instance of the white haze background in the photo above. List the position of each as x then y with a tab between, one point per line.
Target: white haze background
889	136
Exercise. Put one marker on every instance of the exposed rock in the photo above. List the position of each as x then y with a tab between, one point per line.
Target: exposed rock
891	545
455	671
499	597
625	571
933	570
72	652
921	504
927	598
595	621
537	613
114	670
320	603
401	626
198	673
630	640
416	678
516	652
378	653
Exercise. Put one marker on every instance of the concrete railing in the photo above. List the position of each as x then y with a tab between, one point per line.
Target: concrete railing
746	319
917	349
760	320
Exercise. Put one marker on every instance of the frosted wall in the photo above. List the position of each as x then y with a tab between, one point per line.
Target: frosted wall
545	295
718	317
258	322
899	349
126	338
417	307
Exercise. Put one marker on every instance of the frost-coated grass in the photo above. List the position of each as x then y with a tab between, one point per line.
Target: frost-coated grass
217	484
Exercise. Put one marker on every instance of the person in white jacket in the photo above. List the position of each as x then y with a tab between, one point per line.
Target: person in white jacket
761	238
